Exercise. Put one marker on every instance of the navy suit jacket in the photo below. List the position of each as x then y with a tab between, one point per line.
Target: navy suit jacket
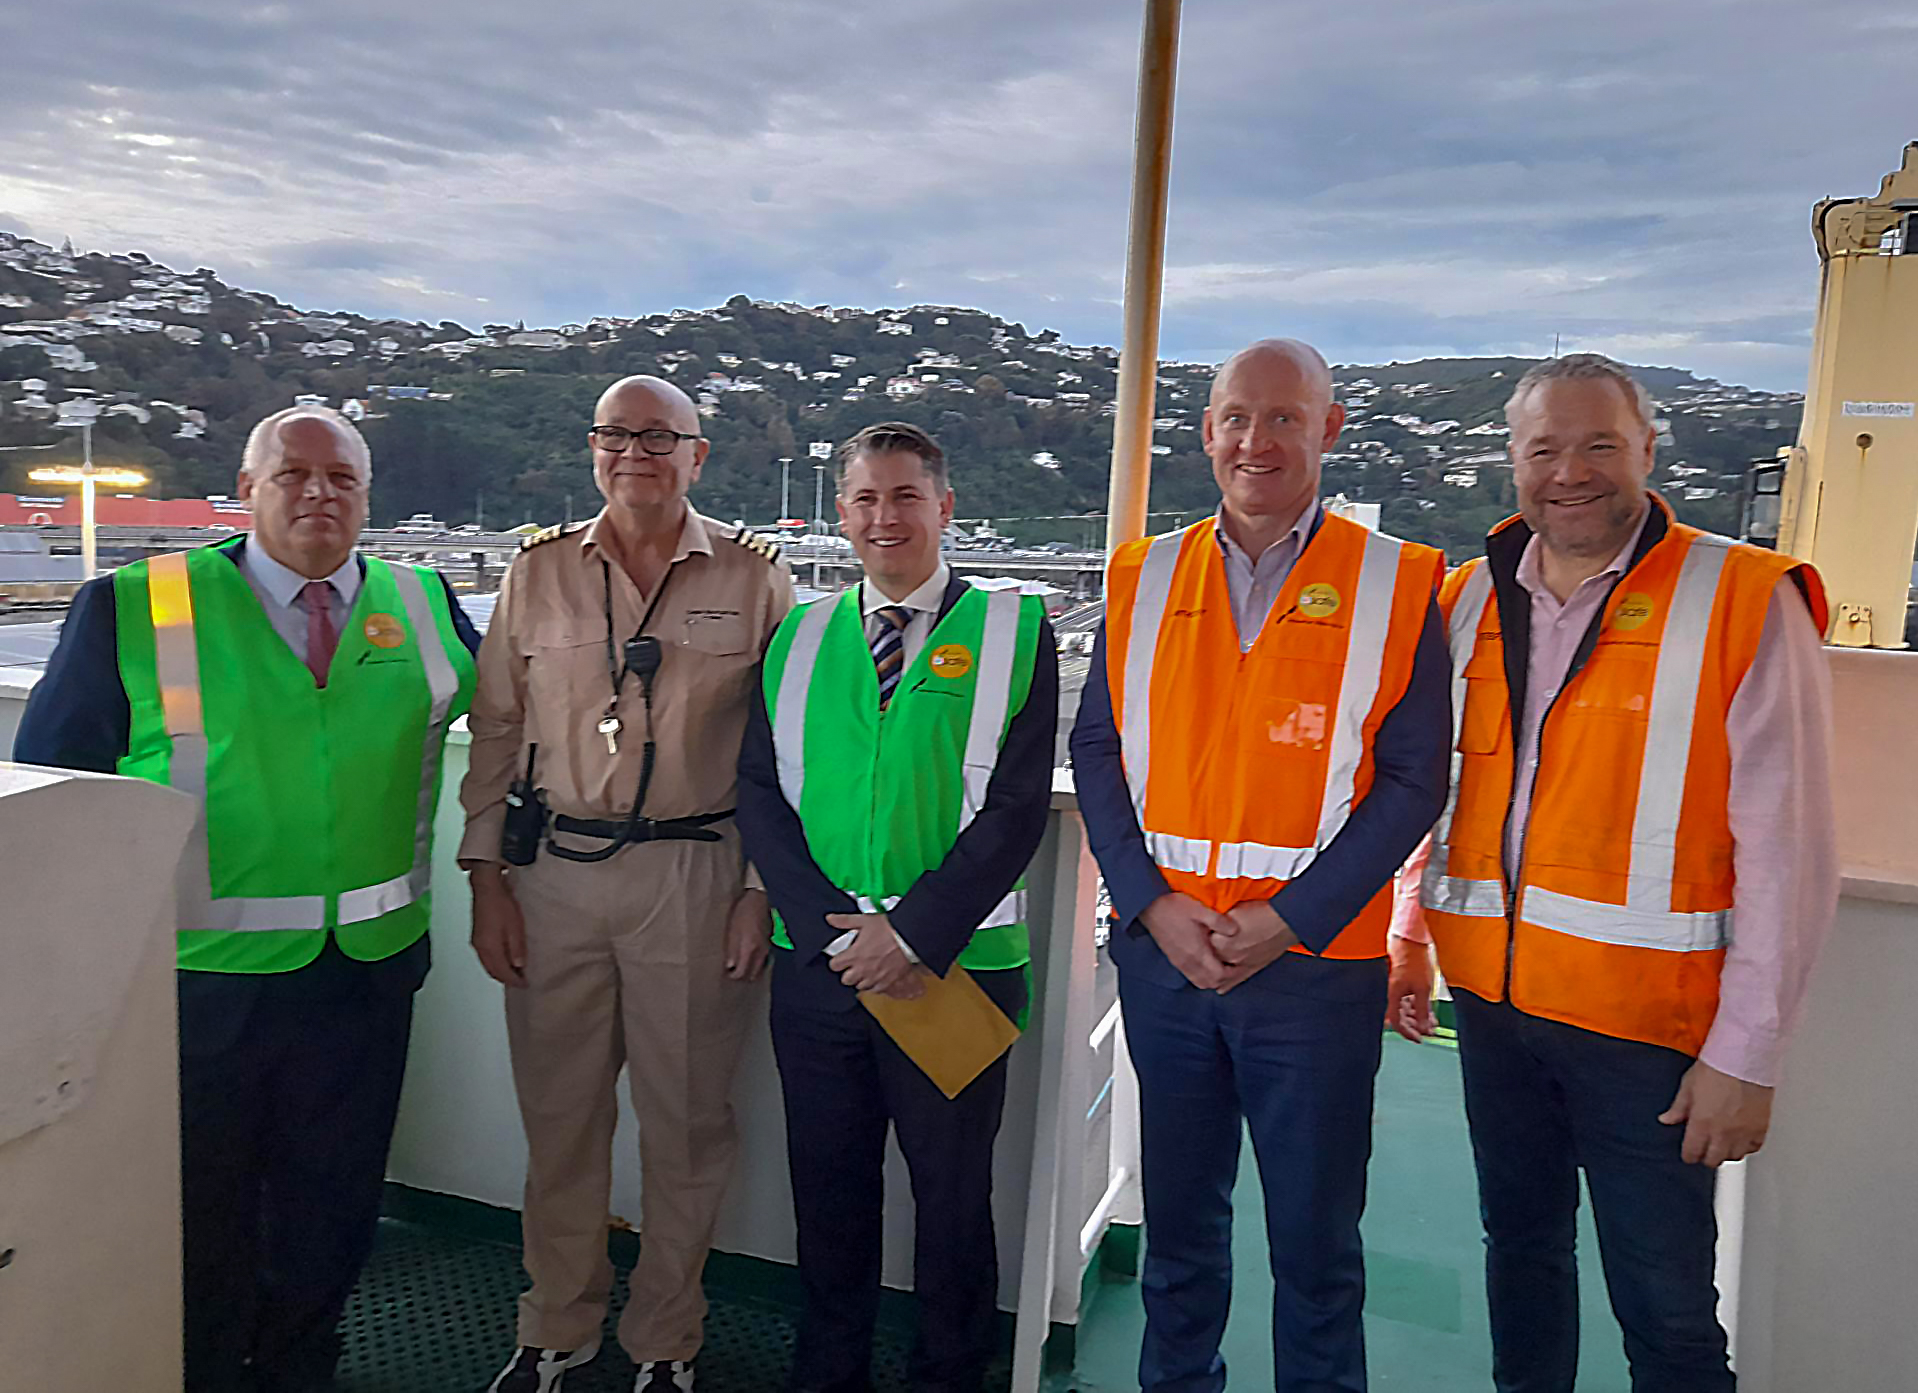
78	718
1412	766
939	915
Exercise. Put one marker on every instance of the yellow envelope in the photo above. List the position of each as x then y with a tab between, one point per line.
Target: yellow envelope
953	1032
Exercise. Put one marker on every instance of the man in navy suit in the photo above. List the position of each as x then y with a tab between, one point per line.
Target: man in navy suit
289	1070
886	859
1298	724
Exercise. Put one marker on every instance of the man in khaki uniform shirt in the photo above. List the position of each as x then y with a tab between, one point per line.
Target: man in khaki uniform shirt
647	958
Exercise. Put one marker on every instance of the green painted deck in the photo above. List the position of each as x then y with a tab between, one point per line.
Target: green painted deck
434	1313
1425	1326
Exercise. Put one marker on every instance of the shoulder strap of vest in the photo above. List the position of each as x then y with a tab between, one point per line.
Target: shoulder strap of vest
1774	566
1458	578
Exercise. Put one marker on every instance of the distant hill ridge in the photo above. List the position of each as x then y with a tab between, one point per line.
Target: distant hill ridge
465	421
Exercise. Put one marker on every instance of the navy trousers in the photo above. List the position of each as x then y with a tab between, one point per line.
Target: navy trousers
289	1086
844	1081
1292	1054
1545	1099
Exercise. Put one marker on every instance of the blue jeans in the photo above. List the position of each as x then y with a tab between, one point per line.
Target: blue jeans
1545	1099
1292	1054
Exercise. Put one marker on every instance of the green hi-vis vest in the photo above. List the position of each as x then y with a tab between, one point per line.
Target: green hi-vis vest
883	795
316	803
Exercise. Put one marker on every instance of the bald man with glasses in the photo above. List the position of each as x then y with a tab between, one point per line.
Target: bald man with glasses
610	896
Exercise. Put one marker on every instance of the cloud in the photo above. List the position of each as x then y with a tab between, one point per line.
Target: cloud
346	254
1462	179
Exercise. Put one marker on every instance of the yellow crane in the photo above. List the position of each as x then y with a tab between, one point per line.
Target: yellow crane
1849	501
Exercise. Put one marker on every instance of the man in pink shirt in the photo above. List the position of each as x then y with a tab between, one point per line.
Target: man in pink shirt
1544	1097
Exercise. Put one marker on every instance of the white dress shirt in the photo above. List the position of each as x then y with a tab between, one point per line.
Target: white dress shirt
279	587
923	602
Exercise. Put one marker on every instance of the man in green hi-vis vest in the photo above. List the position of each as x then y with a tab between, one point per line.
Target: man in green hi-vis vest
892	788
302	691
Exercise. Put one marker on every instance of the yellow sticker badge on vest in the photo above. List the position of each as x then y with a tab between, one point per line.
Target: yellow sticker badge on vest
384	631
951	660
1318	600
1634	612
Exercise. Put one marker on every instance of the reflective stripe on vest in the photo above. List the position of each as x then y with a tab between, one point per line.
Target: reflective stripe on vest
177	661
1010	910
1135	721
993	696
372	901
1661	780
1646	919
1364	663
876	813
1477	899
795	681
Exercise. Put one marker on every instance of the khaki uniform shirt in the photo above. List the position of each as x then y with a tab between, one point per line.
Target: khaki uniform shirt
543	677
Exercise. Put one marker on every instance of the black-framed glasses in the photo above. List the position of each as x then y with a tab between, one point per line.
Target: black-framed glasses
653	442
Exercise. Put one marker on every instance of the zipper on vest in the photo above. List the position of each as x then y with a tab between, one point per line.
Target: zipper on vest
872	779
1580	658
1515	884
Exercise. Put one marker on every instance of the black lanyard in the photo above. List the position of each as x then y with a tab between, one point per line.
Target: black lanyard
610	724
616	670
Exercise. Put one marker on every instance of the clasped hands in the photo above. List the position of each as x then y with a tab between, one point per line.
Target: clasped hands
1215	951
874	961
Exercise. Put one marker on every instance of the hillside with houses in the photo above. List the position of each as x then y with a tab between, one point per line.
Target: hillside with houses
486	424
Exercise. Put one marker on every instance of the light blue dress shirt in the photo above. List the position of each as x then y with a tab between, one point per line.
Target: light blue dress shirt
1255	585
279	587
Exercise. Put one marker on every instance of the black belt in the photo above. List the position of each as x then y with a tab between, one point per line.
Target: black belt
645	829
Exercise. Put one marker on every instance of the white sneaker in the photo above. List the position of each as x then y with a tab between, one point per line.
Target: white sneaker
664	1376
535	1370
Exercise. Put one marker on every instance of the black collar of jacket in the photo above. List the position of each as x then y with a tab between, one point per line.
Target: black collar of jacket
1503	548
956	586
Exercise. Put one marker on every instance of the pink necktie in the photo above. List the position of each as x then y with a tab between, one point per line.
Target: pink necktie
320	638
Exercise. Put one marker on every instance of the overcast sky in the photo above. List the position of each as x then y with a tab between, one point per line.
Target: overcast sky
1390	180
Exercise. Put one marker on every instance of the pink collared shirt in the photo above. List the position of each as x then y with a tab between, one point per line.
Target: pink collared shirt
1785	849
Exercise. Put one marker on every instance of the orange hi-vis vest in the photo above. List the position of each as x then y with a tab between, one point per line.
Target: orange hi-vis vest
1617	916
1243	765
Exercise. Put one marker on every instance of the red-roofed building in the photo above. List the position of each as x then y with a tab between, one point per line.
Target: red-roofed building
122	510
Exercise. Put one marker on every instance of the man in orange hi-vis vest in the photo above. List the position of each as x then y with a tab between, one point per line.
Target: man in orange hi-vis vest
1630	883
1260	740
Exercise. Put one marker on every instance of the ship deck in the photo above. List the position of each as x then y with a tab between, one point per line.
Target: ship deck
434	1312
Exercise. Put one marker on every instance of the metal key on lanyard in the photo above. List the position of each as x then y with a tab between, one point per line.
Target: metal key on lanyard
647	649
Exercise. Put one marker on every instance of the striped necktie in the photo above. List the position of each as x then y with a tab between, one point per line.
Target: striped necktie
889	648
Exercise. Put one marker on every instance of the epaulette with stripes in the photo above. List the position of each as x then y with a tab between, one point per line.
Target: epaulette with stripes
548	534
763	547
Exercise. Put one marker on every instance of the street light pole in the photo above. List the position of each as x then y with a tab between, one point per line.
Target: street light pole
89	539
818	515
785	489
89	479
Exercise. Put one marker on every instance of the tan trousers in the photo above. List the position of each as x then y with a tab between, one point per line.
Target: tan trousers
625	965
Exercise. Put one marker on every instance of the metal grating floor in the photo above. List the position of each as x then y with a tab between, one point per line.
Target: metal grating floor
434	1314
